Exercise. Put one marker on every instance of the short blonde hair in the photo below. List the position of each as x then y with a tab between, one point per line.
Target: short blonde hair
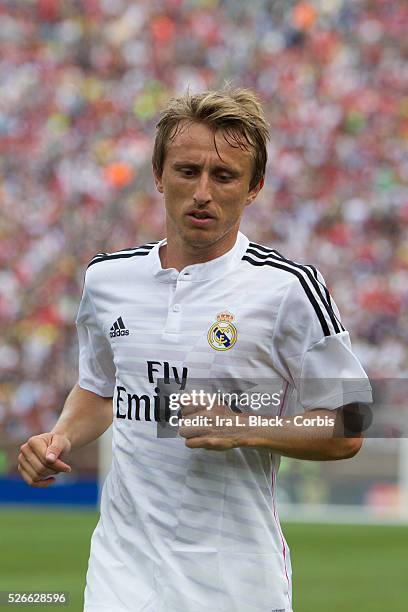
236	112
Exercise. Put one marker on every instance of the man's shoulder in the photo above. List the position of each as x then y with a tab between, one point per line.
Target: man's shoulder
118	257
269	261
300	287
116	268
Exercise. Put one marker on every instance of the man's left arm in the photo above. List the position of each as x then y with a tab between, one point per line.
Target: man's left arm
316	435
298	437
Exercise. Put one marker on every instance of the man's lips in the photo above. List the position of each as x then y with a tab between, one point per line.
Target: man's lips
200	214
200	218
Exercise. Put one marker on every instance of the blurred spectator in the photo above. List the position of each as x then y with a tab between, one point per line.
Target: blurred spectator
81	86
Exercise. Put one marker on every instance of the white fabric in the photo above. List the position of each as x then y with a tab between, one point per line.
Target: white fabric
186	530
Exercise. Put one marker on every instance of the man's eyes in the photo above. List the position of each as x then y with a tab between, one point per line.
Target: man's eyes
189	172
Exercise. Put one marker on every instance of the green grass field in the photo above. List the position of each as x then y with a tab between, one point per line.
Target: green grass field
336	568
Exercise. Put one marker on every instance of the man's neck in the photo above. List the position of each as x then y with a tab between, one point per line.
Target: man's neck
174	255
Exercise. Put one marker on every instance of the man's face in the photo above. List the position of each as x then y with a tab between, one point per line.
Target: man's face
205	191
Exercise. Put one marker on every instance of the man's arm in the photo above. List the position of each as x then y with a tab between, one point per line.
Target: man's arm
295	436
84	418
298	439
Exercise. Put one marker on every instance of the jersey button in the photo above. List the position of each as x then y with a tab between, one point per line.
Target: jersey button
176	308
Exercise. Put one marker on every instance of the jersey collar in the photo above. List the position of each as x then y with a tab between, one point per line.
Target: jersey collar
207	270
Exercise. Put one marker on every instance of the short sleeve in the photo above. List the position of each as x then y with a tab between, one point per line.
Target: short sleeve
312	349
96	366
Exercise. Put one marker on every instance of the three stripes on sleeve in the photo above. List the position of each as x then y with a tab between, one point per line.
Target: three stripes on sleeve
315	290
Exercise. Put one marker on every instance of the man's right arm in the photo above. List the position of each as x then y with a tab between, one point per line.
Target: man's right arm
84	418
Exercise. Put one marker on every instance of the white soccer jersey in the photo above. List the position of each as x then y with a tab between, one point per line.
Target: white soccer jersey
185	530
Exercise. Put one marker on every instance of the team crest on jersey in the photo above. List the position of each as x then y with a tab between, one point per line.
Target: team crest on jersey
223	334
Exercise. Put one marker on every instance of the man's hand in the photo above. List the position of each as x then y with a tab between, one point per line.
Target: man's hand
217	429
40	459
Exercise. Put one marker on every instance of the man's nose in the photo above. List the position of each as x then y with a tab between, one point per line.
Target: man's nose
202	194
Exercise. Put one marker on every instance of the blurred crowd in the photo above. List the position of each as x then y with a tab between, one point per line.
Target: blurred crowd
81	86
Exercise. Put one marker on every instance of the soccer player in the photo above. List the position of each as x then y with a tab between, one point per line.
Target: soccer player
188	522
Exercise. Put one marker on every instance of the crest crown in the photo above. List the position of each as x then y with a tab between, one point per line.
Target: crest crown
225	317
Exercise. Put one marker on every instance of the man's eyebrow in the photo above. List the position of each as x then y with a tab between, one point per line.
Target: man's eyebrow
181	164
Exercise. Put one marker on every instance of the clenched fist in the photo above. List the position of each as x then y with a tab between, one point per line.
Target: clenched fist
40	459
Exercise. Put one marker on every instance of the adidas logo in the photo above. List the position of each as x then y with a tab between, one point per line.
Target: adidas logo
118	329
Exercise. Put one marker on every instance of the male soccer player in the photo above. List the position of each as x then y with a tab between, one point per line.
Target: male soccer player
184	528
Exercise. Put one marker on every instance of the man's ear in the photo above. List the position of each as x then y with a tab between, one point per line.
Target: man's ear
254	192
158	181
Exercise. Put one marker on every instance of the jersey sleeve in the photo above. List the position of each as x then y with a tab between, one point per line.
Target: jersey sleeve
312	349
96	366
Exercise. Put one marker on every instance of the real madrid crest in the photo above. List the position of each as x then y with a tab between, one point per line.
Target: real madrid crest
223	334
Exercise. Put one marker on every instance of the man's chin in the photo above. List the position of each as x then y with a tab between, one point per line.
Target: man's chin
200	239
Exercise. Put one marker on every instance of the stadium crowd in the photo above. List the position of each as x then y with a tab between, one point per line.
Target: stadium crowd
81	86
